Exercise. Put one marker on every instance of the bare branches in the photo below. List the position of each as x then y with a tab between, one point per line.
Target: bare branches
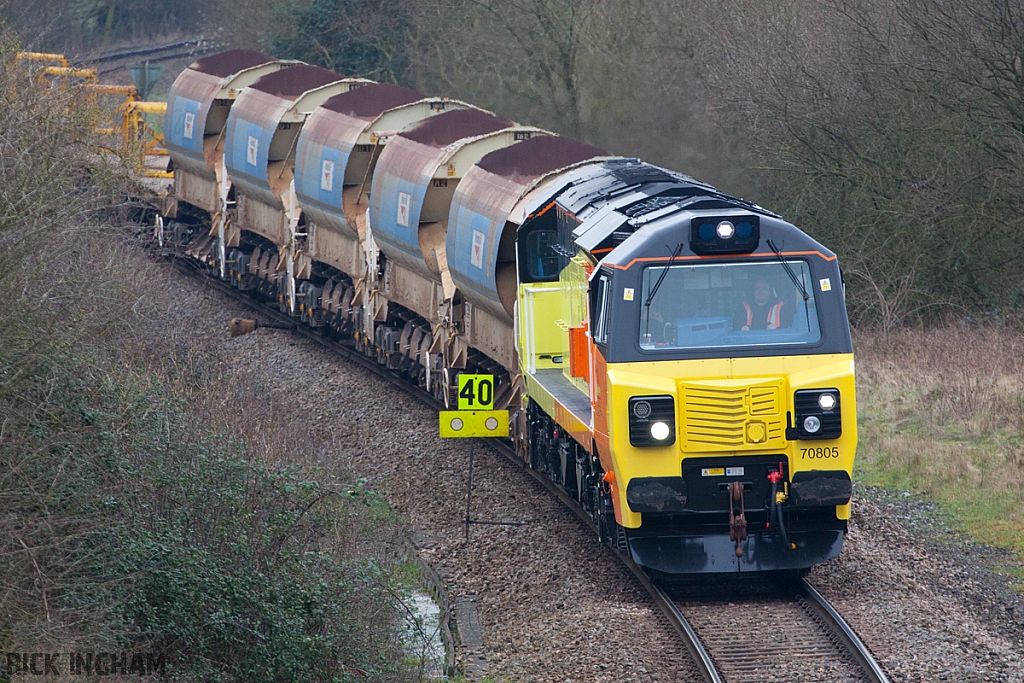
892	129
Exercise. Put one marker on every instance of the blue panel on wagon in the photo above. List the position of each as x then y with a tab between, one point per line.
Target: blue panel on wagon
473	248
185	129
331	161
398	216
246	153
319	171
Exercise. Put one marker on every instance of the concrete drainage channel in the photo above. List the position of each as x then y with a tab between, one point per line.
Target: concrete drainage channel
437	618
474	665
428	635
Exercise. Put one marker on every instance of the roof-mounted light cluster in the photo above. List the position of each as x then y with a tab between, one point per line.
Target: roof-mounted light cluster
725	235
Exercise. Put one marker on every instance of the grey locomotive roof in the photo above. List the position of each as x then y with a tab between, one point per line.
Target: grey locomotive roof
660	237
599	184
616	198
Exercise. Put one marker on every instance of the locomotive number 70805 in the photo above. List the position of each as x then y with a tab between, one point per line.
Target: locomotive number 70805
815	453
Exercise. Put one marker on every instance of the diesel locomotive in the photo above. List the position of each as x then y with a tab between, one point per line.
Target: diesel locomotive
677	359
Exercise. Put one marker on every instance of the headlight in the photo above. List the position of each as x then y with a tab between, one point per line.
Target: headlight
660	431
818	415
652	420
725	230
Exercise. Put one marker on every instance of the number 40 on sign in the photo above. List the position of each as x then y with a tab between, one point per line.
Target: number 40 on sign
474	418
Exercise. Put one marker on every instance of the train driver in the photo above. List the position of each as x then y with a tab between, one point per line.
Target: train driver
762	310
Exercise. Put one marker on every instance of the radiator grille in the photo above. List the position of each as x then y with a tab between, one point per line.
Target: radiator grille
764	401
717	418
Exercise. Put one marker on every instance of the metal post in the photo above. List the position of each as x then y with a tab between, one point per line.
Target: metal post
469	488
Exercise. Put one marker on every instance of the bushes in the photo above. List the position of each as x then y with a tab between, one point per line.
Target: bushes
142	505
251	573
139	534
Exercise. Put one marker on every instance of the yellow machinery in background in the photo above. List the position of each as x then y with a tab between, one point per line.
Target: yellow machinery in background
138	144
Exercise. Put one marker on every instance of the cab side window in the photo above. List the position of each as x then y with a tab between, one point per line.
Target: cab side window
542	262
600	295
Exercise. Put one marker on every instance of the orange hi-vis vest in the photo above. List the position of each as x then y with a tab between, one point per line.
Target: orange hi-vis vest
774	315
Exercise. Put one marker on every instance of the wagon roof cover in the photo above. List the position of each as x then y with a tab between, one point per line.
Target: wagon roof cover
295	80
231	62
371	100
538	156
444	129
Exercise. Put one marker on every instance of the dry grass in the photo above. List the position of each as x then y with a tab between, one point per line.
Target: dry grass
941	414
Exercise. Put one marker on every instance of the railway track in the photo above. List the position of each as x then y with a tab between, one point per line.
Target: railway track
112	61
775	630
736	630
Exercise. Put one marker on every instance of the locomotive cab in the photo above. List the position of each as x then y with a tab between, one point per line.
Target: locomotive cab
728	388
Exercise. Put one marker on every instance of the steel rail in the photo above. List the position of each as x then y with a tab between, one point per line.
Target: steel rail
843	632
142	51
698	653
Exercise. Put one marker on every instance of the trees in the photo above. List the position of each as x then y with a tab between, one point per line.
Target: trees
353	37
892	129
74	26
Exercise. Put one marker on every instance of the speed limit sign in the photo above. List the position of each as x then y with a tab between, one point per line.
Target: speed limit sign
476	392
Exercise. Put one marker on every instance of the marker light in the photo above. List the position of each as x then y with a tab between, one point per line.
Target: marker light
642	409
456	424
812	424
724	235
826	401
660	431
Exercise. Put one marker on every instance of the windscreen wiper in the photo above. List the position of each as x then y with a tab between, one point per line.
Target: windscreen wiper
654	289
797	281
789	271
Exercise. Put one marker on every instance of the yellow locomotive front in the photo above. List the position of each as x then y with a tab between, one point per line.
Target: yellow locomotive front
727	383
706	416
